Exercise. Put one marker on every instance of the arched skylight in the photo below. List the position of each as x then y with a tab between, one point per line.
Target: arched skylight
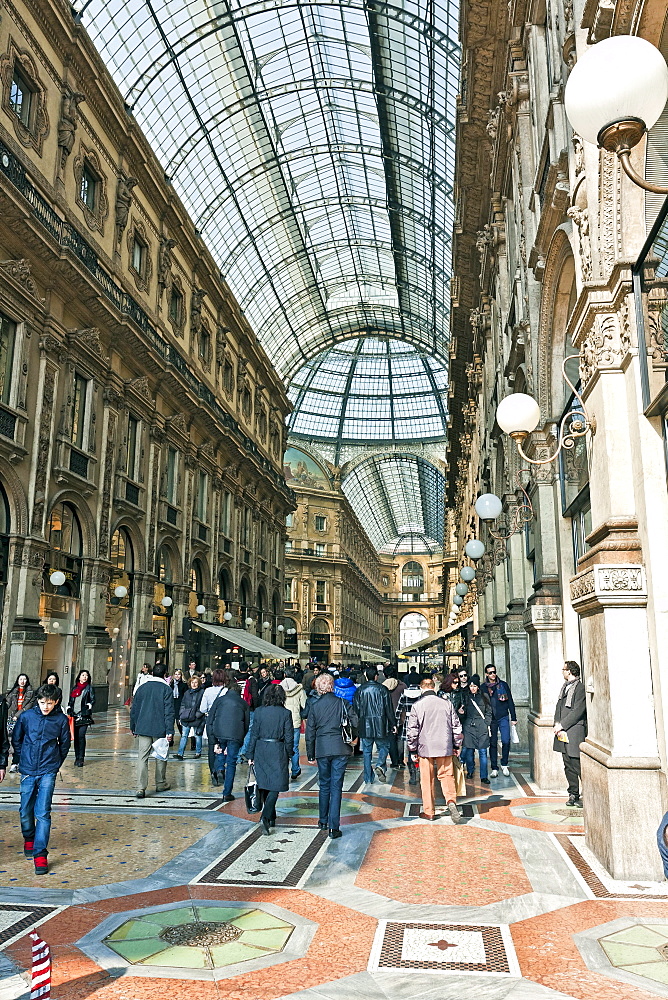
370	389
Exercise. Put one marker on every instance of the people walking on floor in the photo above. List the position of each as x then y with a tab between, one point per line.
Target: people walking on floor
218	687
504	716
179	688
295	702
226	727
373	706
463	675
413	678
80	709
407	700
270	751
41	740
433	735
52	678
264	679
477	723
396	688
570	727
191	718
144	674
251	695
152	718
325	744
20	698
451	689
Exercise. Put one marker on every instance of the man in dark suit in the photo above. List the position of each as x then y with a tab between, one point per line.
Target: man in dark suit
570	727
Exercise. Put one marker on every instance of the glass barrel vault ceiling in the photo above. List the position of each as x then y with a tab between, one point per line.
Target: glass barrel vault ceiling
312	144
370	389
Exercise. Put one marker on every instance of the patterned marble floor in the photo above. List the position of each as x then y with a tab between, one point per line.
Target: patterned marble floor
179	894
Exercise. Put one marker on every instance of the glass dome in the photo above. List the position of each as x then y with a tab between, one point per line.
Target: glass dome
370	389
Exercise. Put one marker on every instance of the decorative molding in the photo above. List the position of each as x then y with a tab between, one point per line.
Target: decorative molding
542	616
142	387
67	124
95	217
142	279
32	134
609	585
19	271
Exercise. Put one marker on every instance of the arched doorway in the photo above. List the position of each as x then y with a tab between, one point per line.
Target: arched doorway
60	605
320	640
163	613
118	618
412	628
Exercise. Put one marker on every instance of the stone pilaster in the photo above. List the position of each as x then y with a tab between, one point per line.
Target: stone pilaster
517	669
621	766
543	623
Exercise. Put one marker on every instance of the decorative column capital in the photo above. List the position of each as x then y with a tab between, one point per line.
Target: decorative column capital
542	618
609	586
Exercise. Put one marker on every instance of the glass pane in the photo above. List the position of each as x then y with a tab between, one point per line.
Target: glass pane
7	338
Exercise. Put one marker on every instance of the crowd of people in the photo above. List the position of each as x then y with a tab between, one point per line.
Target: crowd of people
432	724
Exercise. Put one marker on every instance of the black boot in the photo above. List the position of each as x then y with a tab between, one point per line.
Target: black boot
192	743
412	772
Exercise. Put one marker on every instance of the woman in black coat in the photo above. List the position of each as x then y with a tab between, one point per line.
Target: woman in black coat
179	688
325	743
191	719
270	750
476	725
80	708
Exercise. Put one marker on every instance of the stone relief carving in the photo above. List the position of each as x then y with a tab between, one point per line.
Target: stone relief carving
165	261
196	302
19	271
602	348
123	202
142	386
67	124
580	217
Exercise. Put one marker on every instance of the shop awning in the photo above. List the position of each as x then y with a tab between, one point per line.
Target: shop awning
246	640
431	639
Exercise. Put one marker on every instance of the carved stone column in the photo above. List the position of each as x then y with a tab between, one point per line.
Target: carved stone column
621	765
498	649
517	667
543	624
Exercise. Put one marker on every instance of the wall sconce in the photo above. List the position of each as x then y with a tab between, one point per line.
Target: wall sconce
474	549
488	507
616	92
518	415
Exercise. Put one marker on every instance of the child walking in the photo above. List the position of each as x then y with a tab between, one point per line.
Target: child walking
41	739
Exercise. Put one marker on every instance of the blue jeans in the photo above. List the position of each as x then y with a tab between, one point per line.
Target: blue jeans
187	731
244	745
383	747
295	752
226	763
467	757
502	727
330	779
35	810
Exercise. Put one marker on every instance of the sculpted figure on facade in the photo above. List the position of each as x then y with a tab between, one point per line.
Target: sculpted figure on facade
580	217
123	202
67	124
165	262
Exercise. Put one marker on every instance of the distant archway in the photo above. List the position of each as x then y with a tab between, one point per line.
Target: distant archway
412	628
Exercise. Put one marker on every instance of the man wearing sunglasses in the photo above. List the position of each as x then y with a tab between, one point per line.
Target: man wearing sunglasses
503	717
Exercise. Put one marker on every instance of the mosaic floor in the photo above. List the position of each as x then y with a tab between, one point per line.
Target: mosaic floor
180	894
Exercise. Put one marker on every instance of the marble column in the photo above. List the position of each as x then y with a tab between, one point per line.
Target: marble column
517	667
621	766
543	624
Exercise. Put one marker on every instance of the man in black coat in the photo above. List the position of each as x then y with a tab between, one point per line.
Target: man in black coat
372	704
227	724
151	718
570	727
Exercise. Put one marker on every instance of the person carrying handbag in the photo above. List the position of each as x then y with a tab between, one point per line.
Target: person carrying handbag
477	723
330	736
80	710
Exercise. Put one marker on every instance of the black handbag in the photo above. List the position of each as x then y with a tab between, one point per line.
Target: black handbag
83	719
347	733
252	792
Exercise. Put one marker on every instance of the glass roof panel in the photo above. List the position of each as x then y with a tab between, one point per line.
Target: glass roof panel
312	143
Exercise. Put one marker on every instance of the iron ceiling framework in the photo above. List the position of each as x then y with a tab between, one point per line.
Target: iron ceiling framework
313	145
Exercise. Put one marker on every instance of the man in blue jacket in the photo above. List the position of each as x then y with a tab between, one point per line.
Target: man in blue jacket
151	719
41	738
503	717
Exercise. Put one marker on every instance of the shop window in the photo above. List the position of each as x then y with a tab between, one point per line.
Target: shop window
7	343
21	96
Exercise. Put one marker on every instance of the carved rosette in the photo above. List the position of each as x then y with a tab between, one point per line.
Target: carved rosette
609	586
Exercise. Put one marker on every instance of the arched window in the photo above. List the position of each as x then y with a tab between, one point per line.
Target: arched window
319	626
164	565
413	578
64	530
224	585
196	577
122	554
5	528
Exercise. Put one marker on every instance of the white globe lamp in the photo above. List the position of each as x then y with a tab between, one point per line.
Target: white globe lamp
467	574
280	628
458	600
55	626
200	609
57	578
518	414
461	589
166	602
616	91
266	625
249	621
228	616
488	507
121	592
474	549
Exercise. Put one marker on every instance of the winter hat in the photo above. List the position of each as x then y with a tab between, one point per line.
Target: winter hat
475	679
